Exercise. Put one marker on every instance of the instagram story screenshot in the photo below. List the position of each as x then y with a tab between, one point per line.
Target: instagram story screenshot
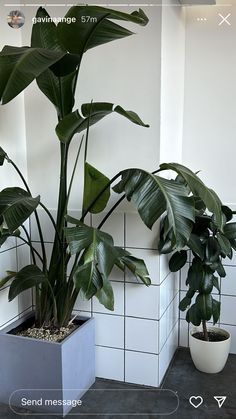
118	209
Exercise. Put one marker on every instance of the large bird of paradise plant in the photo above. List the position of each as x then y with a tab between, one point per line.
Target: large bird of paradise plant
53	59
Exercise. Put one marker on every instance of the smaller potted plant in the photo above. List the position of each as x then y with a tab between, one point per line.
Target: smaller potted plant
208	244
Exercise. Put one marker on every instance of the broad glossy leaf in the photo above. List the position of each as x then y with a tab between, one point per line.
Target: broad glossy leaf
230	230
195	274
193	315
206	283
204	306
220	270
19	66
8	278
152	196
216	283
79	36
227	212
2	156
44	35
135	265
85	237
184	303
212	250
26	278
215	310
178	260
198	188
74	122
79	237
5	234
16	205
224	244
105	295
94	183
49	84
196	246
88	278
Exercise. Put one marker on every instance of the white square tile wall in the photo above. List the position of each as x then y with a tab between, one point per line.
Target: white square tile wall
142	301
141	368
141	335
129	339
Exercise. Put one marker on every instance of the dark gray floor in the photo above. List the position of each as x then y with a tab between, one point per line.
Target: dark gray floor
113	400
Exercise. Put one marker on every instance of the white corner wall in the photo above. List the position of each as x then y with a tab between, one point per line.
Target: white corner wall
137	341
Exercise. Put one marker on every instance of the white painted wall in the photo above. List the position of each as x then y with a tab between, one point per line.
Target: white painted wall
172	81
210	126
13	141
210	98
125	72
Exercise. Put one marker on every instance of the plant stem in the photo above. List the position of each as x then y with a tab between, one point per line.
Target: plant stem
98	196
35	213
110	212
29	243
205	332
52	220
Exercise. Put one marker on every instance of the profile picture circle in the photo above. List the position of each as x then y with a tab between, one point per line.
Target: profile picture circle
15	19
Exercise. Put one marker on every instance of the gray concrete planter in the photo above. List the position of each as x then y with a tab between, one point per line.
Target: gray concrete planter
48	373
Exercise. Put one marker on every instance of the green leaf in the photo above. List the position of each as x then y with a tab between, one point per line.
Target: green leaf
19	66
5	280
206	283
97	261
50	85
230	231
78	37
212	250
196	246
227	212
193	316
198	188
215	310
184	303
105	295
195	274
88	278
224	244
26	278
135	265
16	205
204	306
94	183
44	32
216	283
178	260
44	35
220	270
152	196
2	156
5	234
91	113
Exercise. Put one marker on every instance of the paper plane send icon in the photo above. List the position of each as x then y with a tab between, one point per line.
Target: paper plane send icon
220	400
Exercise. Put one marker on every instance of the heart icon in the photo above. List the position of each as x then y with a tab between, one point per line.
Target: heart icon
196	401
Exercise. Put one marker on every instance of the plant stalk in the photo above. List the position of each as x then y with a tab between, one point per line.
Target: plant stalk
205	332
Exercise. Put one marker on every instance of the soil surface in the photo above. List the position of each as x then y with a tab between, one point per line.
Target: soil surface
213	336
47	333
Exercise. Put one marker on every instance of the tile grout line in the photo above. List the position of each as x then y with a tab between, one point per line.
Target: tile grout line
124	221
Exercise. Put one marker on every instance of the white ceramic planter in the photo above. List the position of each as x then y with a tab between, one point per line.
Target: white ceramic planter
209	357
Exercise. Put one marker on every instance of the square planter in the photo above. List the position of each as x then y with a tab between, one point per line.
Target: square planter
47	375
